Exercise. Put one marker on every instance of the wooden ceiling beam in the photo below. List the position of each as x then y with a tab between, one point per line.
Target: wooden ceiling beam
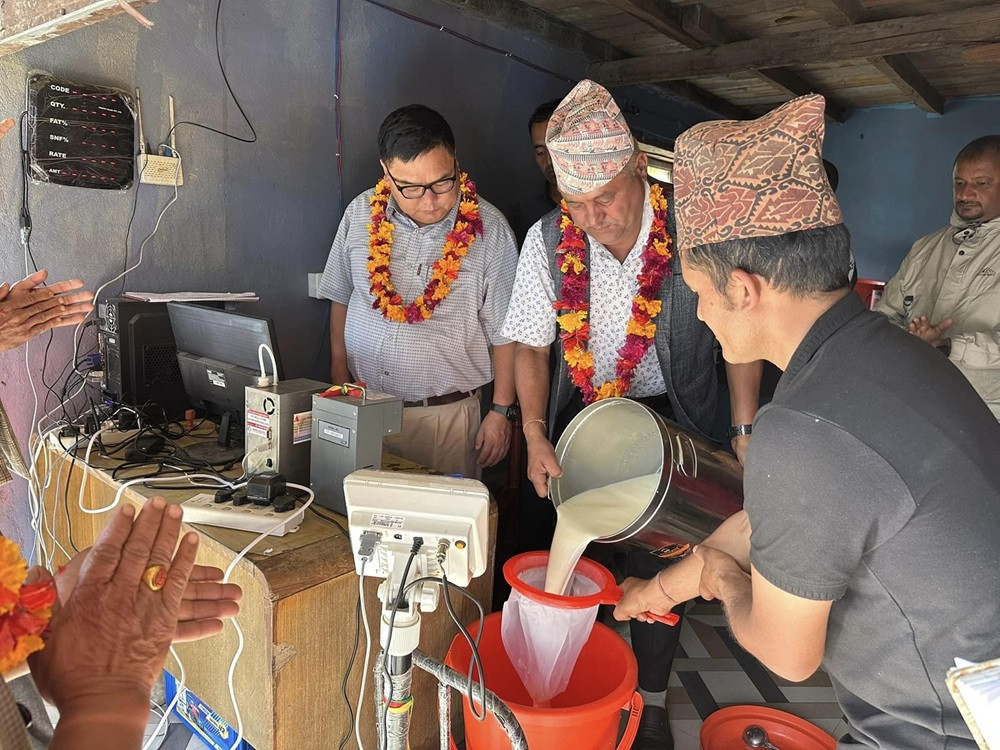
697	27
904	74
522	18
897	68
860	41
660	15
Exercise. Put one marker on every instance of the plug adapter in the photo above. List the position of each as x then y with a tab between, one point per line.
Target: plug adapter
265	487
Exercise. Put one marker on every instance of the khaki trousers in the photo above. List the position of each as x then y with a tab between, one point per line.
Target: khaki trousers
440	437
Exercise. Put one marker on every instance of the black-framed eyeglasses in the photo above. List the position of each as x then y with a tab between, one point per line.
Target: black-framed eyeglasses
440	187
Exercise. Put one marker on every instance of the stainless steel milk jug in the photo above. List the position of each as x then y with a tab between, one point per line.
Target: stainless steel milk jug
618	439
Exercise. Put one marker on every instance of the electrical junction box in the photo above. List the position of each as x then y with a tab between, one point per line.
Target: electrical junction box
347	436
278	428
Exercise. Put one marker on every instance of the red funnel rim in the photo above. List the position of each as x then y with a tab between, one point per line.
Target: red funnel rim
607	592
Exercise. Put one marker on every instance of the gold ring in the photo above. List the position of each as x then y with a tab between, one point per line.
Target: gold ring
155	576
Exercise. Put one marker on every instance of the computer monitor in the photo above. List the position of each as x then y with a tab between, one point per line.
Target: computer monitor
217	352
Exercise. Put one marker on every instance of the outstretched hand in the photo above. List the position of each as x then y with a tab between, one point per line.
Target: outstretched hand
206	602
28	309
109	640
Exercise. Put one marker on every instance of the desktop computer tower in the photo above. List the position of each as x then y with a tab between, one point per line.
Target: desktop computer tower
139	356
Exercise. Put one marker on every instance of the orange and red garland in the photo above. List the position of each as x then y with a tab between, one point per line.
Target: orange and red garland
573	305
468	225
25	609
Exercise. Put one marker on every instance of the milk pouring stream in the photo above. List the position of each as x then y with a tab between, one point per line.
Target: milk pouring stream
593	514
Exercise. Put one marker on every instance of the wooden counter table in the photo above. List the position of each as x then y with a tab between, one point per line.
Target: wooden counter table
300	592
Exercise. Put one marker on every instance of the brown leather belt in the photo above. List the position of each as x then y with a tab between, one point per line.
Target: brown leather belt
448	398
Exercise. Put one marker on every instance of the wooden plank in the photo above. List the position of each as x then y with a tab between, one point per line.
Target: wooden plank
902	72
794	84
897	68
697	27
520	17
661	15
32	23
840	12
987	54
861	41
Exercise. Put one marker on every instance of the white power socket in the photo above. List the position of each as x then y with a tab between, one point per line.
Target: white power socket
203	509
160	170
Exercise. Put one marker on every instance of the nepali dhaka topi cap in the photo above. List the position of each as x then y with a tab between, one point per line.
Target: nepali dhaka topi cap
757	178
588	139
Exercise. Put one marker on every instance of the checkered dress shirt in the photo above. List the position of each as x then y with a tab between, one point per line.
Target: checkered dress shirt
452	350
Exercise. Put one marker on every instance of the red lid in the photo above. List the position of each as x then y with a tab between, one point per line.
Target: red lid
724	729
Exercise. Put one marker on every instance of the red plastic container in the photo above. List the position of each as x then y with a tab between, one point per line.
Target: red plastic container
870	291
584	717
724	729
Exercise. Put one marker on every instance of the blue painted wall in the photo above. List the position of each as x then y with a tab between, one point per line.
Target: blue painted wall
895	174
261	216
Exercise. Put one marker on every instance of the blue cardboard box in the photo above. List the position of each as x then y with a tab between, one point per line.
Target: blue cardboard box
201	719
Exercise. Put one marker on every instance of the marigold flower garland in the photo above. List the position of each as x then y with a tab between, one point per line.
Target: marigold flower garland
573	305
25	609
468	225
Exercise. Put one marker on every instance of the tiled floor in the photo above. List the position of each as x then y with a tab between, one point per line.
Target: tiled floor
711	671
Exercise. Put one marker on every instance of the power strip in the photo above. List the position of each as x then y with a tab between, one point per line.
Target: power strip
203	509
109	437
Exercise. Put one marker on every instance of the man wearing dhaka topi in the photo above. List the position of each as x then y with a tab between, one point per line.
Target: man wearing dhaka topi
419	278
601	269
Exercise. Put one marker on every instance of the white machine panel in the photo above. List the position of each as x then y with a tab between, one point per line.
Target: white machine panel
394	508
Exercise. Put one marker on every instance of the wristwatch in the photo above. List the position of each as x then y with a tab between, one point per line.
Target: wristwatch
740	429
508	411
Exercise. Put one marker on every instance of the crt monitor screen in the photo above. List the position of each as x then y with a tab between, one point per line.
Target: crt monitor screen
217	351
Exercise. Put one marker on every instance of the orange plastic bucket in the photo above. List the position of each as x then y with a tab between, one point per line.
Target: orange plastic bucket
585	716
723	730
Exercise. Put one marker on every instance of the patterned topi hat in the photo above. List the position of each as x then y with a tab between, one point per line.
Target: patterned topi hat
757	178
588	139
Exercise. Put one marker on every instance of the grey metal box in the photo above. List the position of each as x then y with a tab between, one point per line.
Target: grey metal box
347	434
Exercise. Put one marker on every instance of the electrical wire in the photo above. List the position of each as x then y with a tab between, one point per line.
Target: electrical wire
475	660
239	632
142	248
470	40
218	55
350	668
332	520
166	712
397	601
368	652
264	380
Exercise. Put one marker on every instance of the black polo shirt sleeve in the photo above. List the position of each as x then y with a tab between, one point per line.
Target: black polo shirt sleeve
818	500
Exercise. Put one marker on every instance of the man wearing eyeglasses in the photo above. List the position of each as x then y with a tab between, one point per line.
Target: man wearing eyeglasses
947	291
419	278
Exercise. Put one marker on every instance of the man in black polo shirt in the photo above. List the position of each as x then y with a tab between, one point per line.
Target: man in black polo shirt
872	481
